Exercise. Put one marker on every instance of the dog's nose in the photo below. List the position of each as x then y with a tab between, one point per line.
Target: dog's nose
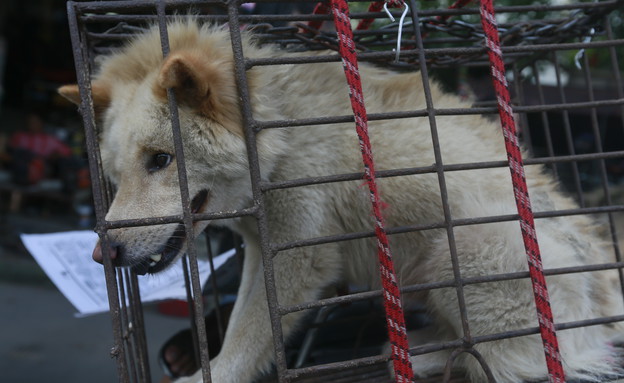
98	255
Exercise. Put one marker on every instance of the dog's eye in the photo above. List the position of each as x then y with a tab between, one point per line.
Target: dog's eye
159	161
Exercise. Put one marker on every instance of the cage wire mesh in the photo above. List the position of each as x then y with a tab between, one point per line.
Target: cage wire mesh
564	68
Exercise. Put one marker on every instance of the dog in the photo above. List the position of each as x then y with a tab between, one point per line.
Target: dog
129	93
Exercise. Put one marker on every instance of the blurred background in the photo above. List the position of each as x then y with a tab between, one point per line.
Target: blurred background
40	338
35	58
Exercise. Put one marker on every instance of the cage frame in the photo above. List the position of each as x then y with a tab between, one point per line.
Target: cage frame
123	283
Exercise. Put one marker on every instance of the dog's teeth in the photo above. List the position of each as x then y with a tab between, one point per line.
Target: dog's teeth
152	264
156	257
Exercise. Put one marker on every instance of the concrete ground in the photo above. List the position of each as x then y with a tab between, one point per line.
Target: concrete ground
40	339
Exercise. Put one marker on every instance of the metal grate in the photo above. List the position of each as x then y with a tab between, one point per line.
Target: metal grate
589	161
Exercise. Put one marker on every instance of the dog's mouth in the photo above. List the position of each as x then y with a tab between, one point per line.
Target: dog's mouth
170	250
159	261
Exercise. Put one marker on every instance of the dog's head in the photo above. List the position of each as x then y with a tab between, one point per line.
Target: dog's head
136	141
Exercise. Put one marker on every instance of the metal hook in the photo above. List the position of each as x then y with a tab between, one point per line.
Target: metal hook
581	52
400	32
385	8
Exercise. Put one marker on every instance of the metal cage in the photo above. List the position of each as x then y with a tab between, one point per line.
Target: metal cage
538	42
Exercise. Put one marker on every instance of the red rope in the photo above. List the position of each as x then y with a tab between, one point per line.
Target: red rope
321	8
456	5
376	6
392	297
523	203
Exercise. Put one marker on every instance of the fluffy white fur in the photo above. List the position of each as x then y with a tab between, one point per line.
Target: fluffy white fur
129	93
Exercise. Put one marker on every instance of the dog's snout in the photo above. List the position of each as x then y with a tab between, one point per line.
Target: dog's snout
98	254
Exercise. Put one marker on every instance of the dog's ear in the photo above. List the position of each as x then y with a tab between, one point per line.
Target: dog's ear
99	93
70	92
205	85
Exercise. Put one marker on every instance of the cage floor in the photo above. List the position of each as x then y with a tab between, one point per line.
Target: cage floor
379	374
362	374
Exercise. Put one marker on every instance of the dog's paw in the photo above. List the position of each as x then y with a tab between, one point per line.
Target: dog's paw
424	365
195	378
430	364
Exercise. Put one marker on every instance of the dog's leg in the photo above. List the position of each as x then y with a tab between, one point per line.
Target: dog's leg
494	308
301	274
490	307
429	364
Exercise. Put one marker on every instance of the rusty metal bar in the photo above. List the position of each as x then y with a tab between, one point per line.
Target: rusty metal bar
568	132
470	351
617	76
432	52
127	330
546	124
196	287
466	281
524	128
437	152
440	225
258	195
138	322
191	308
176	218
431	169
215	289
83	72
307	122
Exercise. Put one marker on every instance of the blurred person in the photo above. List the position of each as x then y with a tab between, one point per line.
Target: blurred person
34	152
3	54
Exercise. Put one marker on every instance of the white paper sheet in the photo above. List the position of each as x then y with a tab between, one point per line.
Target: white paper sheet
66	259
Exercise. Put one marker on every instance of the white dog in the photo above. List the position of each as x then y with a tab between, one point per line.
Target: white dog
139	158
